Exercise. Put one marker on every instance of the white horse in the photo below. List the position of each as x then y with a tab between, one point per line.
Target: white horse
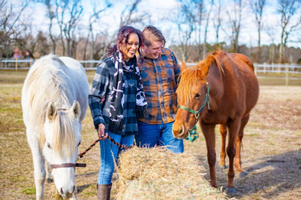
54	102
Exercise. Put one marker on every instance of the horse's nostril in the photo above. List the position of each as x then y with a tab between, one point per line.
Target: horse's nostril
182	129
62	192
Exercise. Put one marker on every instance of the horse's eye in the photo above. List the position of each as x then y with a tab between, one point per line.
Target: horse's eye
48	145
197	95
79	143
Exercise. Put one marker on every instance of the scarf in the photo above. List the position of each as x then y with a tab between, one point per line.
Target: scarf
116	97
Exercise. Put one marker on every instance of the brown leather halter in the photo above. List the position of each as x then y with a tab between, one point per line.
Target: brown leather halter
66	165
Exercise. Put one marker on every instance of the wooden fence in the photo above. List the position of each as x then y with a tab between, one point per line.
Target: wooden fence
281	71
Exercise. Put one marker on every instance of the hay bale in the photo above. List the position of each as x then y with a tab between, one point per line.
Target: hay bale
155	173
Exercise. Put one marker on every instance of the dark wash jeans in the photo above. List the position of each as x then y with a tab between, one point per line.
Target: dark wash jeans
150	135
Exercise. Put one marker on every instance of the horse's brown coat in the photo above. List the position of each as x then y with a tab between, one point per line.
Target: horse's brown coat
234	91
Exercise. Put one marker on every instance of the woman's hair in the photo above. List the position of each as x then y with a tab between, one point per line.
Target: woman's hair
123	36
151	33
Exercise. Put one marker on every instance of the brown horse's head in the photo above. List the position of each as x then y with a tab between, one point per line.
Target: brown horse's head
193	96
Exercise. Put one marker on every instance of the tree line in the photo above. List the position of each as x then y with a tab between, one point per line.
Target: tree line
70	34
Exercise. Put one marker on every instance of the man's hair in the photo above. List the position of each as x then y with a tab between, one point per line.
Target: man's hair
151	33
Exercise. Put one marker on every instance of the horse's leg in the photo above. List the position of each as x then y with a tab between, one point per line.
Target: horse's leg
38	163
48	175
208	132
233	126
223	130
238	167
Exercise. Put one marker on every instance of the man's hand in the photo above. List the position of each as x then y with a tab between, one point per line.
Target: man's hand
101	132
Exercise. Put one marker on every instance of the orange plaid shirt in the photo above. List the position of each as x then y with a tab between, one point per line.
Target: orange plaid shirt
159	78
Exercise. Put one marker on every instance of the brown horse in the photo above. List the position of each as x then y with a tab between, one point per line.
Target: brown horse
222	89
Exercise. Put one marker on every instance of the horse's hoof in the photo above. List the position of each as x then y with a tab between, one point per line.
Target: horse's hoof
230	190
223	167
243	174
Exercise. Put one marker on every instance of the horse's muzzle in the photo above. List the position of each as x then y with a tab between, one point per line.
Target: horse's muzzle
179	133
67	194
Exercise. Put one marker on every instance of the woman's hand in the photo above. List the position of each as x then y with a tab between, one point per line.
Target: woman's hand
101	132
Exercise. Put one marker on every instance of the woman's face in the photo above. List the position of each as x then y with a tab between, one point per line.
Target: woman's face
129	49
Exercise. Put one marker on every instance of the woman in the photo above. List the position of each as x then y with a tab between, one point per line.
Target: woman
116	100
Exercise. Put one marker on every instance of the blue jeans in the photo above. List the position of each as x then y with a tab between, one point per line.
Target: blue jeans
108	154
150	135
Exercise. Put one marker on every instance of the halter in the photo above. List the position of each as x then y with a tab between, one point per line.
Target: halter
66	165
196	115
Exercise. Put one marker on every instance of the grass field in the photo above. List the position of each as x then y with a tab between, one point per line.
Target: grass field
271	147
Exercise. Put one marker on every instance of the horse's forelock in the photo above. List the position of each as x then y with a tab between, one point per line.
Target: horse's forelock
63	133
188	78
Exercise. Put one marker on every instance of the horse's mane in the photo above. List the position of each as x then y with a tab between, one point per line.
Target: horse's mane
46	84
194	75
211	57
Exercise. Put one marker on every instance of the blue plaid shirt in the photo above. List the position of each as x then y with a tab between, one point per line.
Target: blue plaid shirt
159	77
102	86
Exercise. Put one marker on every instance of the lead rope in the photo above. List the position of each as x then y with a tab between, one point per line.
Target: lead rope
112	140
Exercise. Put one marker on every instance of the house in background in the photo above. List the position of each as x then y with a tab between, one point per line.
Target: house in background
17	54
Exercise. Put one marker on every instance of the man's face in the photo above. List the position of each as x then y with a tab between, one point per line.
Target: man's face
153	51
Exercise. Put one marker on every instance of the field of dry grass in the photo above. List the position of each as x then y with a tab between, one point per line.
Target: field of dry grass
271	147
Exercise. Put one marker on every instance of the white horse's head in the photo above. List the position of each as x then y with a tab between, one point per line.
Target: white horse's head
62	133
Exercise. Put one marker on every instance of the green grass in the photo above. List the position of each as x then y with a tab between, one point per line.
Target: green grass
29	190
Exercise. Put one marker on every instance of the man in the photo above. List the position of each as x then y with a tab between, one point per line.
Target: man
159	71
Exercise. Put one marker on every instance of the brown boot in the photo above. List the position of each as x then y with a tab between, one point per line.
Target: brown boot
103	191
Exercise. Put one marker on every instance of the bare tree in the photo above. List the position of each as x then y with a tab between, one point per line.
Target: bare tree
257	7
288	9
271	31
94	17
68	14
51	15
185	19
198	10
217	21
235	16
9	26
26	41
206	29
129	16
75	13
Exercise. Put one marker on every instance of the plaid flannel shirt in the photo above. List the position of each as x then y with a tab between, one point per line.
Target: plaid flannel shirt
159	78
101	87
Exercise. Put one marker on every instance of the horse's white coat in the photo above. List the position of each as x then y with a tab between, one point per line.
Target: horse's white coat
54	102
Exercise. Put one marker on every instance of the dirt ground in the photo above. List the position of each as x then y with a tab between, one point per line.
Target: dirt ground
271	152
271	147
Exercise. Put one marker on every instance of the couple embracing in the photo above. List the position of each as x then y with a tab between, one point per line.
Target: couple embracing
133	98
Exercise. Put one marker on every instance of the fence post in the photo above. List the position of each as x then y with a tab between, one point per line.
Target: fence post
16	66
286	75
255	69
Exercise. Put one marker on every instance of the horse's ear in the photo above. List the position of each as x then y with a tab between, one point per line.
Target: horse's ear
203	68
183	66
204	71
75	109
51	112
